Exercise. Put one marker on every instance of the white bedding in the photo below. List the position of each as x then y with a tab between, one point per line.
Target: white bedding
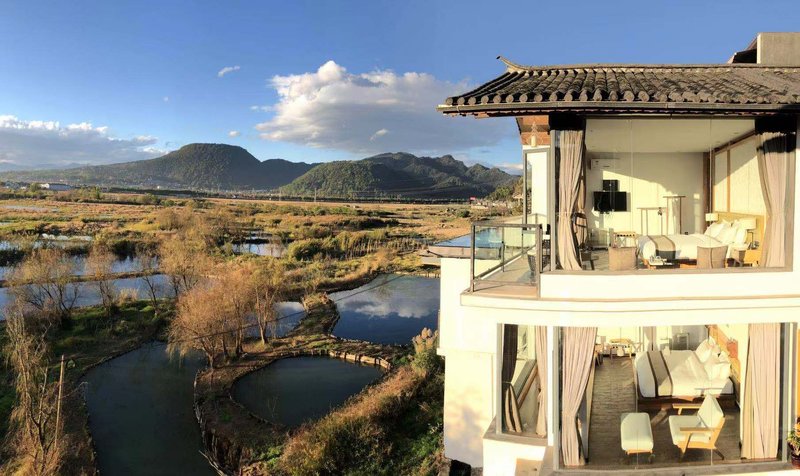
685	245
689	377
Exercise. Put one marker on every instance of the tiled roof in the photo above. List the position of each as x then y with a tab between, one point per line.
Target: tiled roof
733	87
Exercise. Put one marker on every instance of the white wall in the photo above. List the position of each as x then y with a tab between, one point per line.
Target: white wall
537	179
469	350
647	178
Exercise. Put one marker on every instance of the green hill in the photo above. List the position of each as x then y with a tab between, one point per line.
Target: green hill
399	174
193	166
228	167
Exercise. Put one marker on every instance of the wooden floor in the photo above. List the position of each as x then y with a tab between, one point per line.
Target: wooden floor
613	395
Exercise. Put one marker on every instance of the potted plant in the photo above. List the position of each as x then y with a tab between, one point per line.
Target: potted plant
793	440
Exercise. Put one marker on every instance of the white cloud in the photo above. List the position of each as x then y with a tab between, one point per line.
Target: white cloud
334	109
227	69
40	144
166	98
378	133
256	108
234	134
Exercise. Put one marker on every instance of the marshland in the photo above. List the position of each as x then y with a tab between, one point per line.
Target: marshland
221	335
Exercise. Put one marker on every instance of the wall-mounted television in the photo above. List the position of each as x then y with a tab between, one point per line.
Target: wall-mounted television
606	201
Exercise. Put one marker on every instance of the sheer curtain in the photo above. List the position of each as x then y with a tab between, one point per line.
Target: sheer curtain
510	404
761	408
776	144
576	362
541	364
569	149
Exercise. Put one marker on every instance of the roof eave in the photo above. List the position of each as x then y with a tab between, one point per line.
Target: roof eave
604	107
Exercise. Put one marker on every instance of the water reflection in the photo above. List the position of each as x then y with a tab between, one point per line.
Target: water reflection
291	391
89	295
128	264
391	309
141	416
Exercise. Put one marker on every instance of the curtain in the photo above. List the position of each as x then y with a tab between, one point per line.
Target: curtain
581	223
761	407
775	169
650	337
576	361
510	413
540	343
570	159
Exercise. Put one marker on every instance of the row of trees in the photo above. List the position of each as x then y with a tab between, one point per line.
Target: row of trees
215	315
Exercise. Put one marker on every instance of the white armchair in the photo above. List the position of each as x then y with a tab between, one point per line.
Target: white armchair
700	430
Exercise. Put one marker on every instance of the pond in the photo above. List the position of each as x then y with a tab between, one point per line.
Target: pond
391	309
275	250
141	416
89	295
294	390
128	264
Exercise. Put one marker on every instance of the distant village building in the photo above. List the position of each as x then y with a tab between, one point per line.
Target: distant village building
56	187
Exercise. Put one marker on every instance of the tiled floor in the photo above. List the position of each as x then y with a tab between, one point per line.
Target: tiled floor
613	395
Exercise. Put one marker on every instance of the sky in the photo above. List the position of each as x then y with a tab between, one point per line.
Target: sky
91	82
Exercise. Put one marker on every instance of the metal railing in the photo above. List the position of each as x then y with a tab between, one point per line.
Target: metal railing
507	253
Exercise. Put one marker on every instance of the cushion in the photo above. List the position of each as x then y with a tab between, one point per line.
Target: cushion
676	422
703	351
710	412
728	235
720	368
635	433
714	229
741	236
622	258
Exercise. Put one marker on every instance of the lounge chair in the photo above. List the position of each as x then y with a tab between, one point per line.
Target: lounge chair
698	431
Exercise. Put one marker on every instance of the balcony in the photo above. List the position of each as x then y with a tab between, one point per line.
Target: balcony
507	259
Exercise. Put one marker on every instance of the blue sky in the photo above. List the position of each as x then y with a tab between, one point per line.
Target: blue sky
98	82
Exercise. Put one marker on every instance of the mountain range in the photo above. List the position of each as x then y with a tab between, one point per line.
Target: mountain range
228	167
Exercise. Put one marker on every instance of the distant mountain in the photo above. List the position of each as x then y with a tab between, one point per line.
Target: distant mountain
399	174
193	166
228	167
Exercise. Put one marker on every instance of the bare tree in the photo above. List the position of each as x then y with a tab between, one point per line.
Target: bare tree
34	418
42	280
236	288
199	324
100	266
148	261
185	261
270	285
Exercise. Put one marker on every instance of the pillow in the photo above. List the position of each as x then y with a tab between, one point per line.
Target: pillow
718	367
703	351
714	229
727	235
741	236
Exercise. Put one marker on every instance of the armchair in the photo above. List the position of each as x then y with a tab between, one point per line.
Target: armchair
698	431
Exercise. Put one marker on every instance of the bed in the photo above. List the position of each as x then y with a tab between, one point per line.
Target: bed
675	247
666	377
683	248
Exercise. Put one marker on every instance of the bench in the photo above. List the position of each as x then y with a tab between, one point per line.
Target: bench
635	433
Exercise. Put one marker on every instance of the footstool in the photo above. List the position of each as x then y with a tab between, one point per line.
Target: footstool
635	433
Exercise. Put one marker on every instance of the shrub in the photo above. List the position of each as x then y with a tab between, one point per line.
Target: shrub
425	359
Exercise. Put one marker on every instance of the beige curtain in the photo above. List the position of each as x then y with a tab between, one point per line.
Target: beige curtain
510	403
761	409
650	337
775	168
581	223
541	364
570	157
576	362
